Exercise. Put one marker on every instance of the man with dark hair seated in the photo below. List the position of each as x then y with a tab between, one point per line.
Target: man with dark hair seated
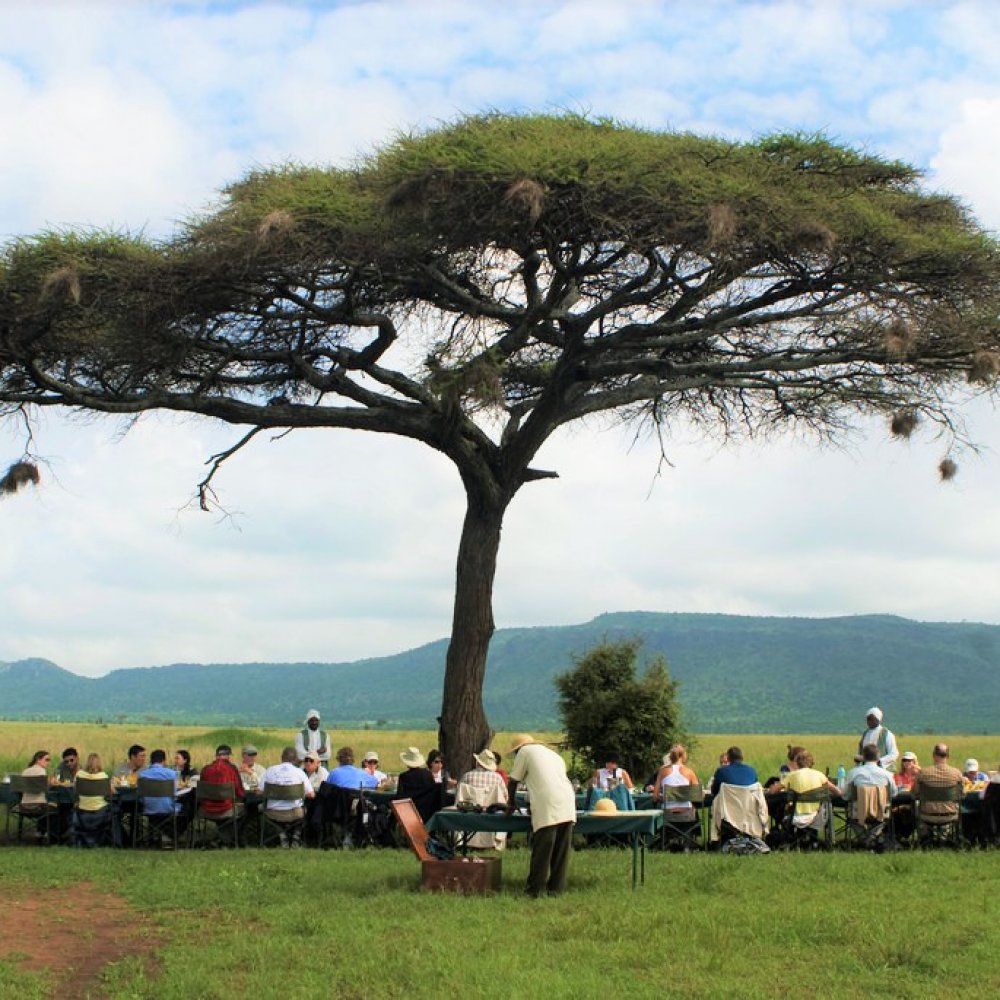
131	767
734	771
222	771
159	808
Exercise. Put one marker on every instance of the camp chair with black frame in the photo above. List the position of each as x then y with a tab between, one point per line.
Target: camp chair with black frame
933	829
274	831
337	816
91	827
37	816
991	814
682	828
738	811
149	829
798	835
373	822
869	825
226	825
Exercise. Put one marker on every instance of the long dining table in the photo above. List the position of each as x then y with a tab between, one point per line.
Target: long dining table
637	825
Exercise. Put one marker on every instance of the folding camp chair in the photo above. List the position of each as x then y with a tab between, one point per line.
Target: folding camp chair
149	828
682	828
226	821
91	827
275	828
809	829
936	829
869	825
38	816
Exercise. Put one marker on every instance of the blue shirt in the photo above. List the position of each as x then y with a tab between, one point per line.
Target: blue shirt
349	776
156	805
734	774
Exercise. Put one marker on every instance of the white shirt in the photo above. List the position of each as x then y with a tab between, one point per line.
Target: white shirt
285	774
543	772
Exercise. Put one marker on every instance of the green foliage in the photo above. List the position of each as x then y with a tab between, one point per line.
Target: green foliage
605	707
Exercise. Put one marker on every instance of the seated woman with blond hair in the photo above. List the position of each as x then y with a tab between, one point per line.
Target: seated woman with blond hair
675	774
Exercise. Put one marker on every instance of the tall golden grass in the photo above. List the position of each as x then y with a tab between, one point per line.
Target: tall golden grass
19	740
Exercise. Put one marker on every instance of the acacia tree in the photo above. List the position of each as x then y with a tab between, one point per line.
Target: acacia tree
480	285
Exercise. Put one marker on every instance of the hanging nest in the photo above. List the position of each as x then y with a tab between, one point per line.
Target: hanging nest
903	424
898	338
20	474
274	225
816	236
985	367
63	282
526	194
722	223
947	469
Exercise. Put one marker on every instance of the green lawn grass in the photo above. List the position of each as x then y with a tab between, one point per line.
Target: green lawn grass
354	925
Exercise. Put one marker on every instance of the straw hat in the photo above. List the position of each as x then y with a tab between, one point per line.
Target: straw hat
412	757
605	807
485	760
522	739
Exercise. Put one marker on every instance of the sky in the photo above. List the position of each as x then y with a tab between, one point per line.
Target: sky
339	545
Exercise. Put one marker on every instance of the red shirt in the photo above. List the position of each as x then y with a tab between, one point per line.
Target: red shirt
220	772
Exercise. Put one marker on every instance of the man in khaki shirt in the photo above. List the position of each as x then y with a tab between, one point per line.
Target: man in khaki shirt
553	812
940	774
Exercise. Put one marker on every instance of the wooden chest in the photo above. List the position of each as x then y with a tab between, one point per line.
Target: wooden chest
480	876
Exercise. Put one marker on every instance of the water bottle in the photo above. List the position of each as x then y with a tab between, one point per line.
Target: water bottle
841	777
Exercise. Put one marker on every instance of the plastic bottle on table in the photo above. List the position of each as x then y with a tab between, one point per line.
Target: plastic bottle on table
841	777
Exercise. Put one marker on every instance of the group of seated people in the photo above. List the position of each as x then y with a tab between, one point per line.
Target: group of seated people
870	788
425	779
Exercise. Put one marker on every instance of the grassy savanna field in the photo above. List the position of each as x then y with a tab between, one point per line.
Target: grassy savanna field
352	924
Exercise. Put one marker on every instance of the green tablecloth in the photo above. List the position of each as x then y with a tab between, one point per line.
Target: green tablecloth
637	825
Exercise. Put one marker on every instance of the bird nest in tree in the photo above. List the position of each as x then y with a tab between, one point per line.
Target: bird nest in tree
18	475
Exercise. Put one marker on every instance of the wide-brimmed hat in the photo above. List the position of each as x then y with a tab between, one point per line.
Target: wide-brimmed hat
412	757
371	755
522	739
971	765
605	807
311	755
909	755
250	750
485	760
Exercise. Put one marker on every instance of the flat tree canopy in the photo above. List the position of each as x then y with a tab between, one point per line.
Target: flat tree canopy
479	285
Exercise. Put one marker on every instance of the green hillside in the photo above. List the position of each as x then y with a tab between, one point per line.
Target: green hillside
737	674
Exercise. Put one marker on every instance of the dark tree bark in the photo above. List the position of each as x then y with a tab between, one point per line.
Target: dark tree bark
464	725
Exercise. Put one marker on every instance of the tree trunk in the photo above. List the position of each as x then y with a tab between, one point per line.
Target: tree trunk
464	729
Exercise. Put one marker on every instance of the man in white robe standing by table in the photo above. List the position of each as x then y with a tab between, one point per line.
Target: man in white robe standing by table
553	812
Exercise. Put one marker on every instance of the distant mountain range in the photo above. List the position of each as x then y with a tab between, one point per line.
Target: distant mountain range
737	674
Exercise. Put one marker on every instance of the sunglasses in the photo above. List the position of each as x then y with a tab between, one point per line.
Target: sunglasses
371	763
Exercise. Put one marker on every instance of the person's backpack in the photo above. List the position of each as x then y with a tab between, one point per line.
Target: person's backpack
745	845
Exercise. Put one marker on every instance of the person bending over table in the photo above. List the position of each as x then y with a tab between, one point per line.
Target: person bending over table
553	812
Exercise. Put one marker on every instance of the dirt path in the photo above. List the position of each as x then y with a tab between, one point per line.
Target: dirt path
74	931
